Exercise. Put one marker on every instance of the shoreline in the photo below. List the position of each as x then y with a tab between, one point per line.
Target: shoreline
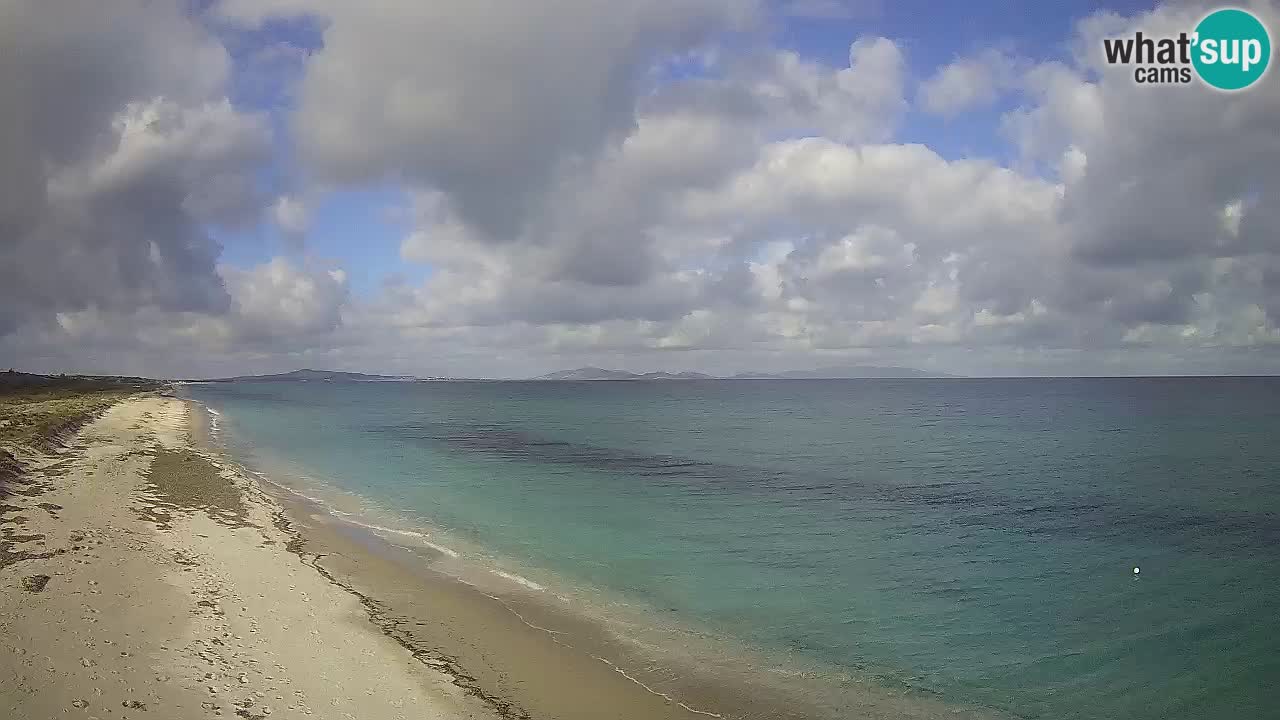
502	632
184	583
505	647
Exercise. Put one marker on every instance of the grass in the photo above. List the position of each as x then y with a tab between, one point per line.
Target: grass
39	415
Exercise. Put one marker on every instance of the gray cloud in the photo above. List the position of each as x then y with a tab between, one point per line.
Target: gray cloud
616	226
117	149
485	100
275	312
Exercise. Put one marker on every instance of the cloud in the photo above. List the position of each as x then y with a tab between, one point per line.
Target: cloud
118	149
1162	187
282	301
832	9
275	310
635	193
968	83
483	101
858	103
839	243
611	233
290	215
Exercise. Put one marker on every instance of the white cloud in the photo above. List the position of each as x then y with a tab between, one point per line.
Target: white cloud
859	103
290	215
279	300
968	83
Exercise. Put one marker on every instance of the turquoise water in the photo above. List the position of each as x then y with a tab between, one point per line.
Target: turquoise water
970	538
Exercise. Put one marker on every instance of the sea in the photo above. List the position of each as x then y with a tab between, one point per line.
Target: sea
1046	548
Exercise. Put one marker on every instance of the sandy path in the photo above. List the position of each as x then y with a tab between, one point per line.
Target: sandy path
171	593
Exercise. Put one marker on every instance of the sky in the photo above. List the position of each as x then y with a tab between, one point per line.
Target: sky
195	188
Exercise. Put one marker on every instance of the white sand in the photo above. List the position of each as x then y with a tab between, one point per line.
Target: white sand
207	618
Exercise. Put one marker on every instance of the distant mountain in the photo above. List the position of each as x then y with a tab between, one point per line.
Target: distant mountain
588	373
831	373
314	376
843	373
595	373
676	376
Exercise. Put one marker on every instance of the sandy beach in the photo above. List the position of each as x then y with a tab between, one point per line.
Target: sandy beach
141	579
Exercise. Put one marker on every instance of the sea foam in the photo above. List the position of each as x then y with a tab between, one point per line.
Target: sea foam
519	580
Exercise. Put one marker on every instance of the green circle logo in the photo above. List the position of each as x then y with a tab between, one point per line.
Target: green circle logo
1232	49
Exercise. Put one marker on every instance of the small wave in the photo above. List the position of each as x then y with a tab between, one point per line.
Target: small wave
555	636
441	549
420	536
349	518
380	528
519	580
267	479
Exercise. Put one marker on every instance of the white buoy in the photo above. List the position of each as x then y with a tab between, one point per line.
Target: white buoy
1136	571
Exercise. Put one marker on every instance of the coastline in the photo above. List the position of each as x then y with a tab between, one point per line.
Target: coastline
498	636
183	584
533	652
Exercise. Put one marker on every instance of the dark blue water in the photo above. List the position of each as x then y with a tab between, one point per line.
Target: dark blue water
970	538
